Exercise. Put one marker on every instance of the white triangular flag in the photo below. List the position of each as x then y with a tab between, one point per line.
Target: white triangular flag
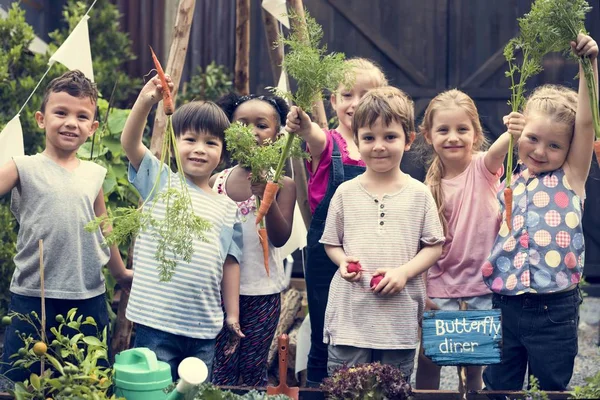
11	141
278	9
75	52
297	238
283	85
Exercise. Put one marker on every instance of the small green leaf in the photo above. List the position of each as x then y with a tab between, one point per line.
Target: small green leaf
34	379
92	341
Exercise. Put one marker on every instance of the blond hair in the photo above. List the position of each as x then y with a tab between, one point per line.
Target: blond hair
389	104
554	101
453	98
357	64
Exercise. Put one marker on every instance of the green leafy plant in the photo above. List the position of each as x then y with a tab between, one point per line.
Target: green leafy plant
73	369
208	391
175	233
367	381
210	84
536	39
566	19
591	390
310	65
534	392
8	239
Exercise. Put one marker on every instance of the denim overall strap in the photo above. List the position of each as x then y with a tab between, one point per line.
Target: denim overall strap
320	270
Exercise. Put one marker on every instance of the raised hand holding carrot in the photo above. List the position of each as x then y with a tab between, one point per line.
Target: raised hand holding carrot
168	104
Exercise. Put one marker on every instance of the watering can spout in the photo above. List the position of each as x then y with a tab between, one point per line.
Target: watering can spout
192	372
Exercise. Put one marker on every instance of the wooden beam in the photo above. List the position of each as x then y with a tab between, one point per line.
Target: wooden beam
486	70
272	32
122	337
381	43
177	53
242	47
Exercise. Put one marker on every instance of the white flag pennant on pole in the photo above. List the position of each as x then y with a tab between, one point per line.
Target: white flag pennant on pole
11	140
283	84
75	52
278	9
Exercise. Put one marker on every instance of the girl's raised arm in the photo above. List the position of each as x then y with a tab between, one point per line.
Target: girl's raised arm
580	154
299	122
494	157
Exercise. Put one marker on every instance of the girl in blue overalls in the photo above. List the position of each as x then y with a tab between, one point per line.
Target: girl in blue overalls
535	268
334	159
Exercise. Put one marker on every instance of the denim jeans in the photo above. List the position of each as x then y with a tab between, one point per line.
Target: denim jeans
95	307
539	332
172	348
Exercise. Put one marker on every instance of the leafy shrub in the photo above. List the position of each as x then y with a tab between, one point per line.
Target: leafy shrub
210	84
367	381
73	369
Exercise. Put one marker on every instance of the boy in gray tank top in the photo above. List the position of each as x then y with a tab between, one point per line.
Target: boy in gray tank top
55	195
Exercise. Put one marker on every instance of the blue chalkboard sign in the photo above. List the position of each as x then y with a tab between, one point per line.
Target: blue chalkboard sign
471	337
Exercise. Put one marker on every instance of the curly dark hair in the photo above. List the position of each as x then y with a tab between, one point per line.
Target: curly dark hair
231	101
74	83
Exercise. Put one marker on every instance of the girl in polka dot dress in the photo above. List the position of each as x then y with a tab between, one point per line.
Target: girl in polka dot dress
464	181
534	269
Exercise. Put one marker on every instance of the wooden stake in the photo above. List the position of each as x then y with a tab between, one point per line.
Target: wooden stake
177	53
123	327
272	32
43	299
318	110
242	47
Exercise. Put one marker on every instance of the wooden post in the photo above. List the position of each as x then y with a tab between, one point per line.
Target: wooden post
123	327
242	47
177	53
272	33
318	111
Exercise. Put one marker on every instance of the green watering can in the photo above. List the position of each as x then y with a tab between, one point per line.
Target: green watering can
138	375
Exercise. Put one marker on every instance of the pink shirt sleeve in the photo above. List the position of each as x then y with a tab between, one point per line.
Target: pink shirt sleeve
317	181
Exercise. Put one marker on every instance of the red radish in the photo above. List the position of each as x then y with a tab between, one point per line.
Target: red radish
375	281
354	267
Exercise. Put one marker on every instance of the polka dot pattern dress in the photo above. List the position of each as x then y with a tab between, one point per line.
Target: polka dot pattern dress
544	252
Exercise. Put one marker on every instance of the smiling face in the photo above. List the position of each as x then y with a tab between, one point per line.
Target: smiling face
544	143
262	116
452	134
200	155
68	121
382	146
345	101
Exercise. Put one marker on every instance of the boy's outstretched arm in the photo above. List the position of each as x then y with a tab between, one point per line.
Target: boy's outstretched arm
115	264
495	155
131	138
299	122
9	177
579	157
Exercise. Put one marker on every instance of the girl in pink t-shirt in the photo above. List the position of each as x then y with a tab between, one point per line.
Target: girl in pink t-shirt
464	182
334	160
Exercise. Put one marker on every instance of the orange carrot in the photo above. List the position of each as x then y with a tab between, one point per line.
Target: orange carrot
168	104
268	198
264	241
597	150
508	200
